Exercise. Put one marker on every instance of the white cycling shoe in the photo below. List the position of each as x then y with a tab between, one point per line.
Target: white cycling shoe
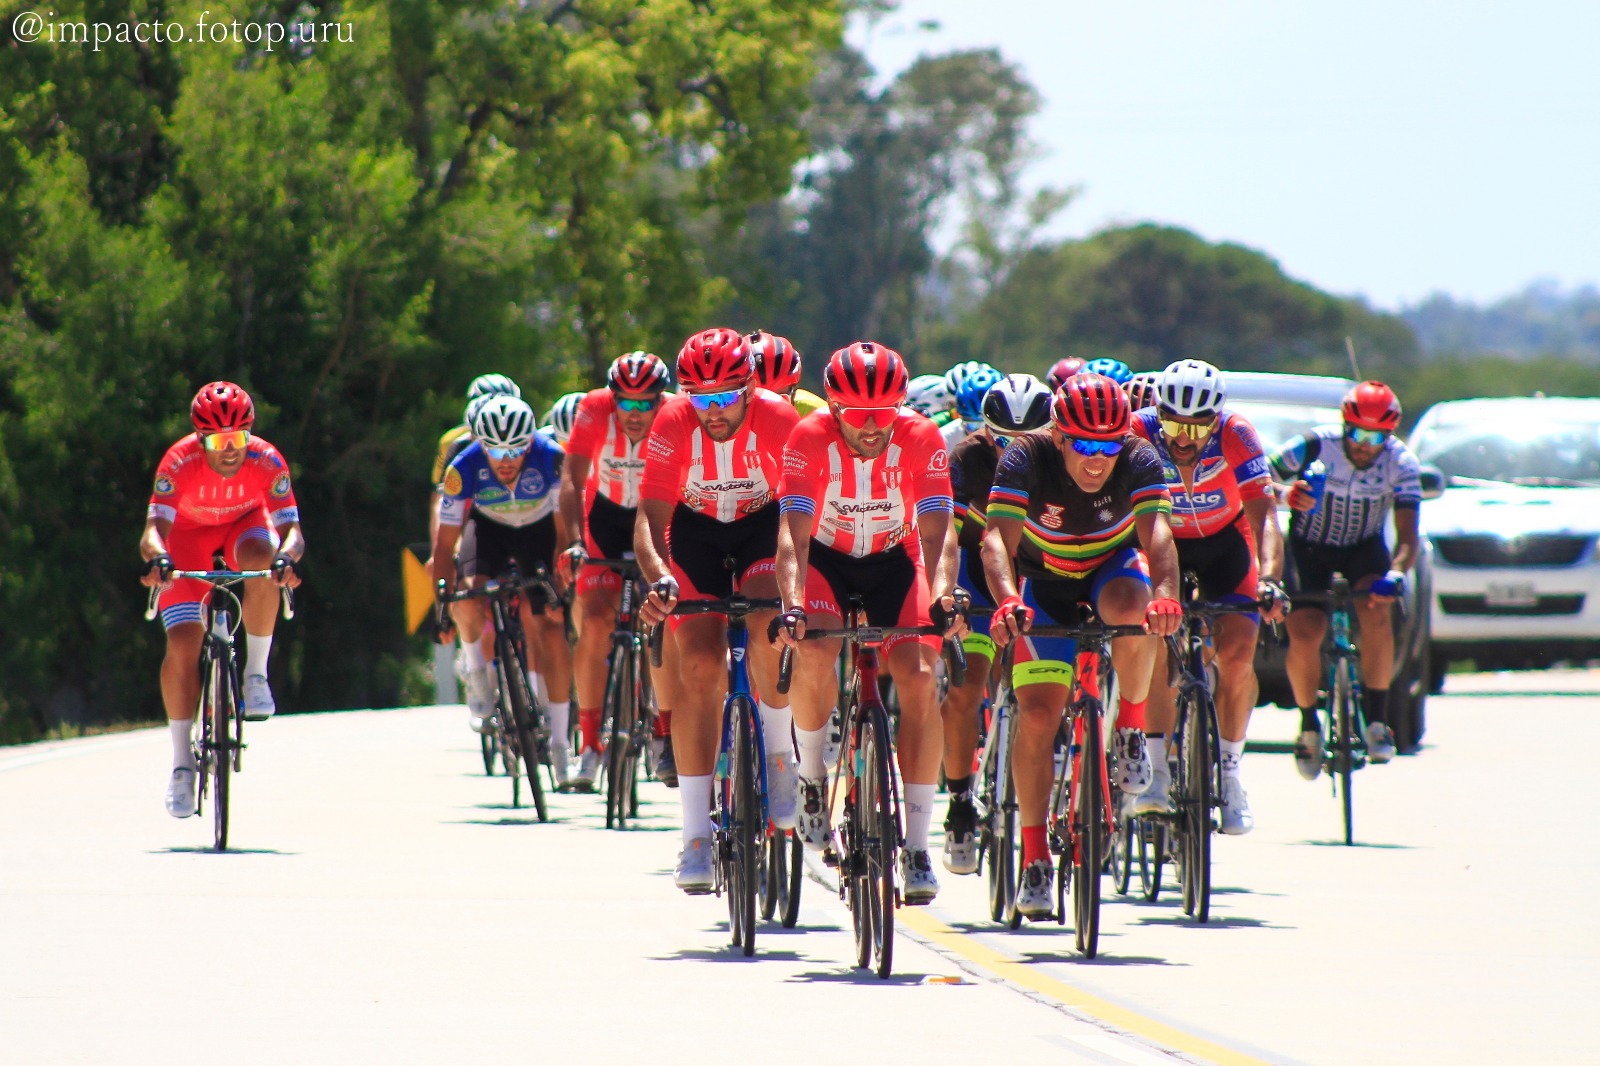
258	702
480	697
180	791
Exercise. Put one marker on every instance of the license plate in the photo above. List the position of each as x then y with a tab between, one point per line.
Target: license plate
1519	595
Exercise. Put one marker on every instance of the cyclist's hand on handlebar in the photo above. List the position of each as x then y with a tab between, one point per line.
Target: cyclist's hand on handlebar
570	561
949	616
787	630
443	623
157	572
1163	616
1274	601
1011	619
285	571
659	602
1387	587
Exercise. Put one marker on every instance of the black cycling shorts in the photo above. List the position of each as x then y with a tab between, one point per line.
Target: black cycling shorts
487	548
1225	562
701	546
1311	566
608	529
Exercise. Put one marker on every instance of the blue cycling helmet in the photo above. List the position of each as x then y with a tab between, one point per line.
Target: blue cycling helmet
976	385
1115	369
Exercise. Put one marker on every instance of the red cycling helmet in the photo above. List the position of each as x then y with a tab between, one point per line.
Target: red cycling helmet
1092	407
777	363
1372	405
714	359
866	375
638	374
1061	371
221	406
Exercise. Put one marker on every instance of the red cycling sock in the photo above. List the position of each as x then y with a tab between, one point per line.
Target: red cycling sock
1035	844
1130	715
589	728
663	726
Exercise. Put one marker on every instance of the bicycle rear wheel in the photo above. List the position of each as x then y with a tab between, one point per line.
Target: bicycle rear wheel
1002	837
489	750
781	870
620	712
1342	712
1088	823
874	866
744	828
1197	792
1152	844
1120	854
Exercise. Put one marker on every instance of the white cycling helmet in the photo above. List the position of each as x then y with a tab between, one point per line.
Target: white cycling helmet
561	416
503	422
1191	388
927	394
492	385
958	374
1016	404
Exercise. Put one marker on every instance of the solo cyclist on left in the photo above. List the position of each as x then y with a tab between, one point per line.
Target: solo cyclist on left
219	489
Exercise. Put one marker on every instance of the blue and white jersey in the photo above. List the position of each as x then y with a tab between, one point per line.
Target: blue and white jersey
1355	503
470	484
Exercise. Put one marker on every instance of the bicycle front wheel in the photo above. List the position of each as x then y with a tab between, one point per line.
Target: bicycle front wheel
222	707
1002	837
743	825
1346	748
878	842
1089	831
620	712
519	702
1196	792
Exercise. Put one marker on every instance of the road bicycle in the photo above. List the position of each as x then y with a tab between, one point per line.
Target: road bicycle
520	723
741	822
1343	729
218	744
627	716
868	835
999	828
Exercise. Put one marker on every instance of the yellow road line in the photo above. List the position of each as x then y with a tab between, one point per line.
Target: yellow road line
1026	975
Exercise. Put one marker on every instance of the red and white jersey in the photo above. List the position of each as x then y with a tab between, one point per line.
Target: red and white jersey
725	481
1229	470
863	506
616	463
189	492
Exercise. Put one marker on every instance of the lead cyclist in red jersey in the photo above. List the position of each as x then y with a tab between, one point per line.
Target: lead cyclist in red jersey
865	500
710	479
599	505
218	490
1225	528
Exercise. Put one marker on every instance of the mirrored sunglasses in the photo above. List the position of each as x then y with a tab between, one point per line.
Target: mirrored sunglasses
703	400
501	455
1370	437
1095	447
859	417
637	407
1187	430
221	442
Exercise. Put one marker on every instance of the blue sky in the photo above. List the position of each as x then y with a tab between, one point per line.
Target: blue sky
1389	150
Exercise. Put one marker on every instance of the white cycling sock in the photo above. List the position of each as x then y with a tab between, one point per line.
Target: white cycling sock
812	742
696	795
1157	747
182	752
256	651
919	813
472	652
560	722
1232	757
776	723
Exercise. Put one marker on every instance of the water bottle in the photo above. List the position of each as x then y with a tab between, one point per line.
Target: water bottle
1316	476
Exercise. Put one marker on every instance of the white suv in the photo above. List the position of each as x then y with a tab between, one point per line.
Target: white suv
1516	582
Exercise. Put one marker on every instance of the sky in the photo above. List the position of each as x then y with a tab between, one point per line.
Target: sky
1387	150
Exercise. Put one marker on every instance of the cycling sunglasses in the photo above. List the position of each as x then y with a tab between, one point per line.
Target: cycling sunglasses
501	455
1370	437
703	400
638	407
221	442
1187	430
860	417
1095	447
1002	439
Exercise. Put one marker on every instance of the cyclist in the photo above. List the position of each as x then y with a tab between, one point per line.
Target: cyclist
1368	471
710	477
599	501
1061	371
220	489
929	396
865	500
778	370
1224	522
1019	404
1073	506
1115	369
558	421
499	507
959	373
1141	390
969	405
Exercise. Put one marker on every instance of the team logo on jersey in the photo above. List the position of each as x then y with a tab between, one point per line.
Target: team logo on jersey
794	462
1053	517
532	483
1105	515
940	461
163	486
452	482
280	487
891	477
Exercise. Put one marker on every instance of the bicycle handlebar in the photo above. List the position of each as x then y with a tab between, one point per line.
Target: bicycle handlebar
874	635
732	606
221	578
537	580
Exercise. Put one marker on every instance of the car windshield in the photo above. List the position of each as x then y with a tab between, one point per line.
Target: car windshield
1531	453
1277	422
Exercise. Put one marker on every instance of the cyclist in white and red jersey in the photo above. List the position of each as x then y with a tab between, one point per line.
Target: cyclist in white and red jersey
1365	471
778	370
599	504
865	500
709	494
1225	527
217	490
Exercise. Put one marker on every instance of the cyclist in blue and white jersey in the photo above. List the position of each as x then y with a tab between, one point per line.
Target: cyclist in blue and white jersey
1366	472
975	385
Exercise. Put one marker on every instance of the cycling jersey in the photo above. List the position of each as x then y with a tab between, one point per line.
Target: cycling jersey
724	481
617	462
1355	503
188	492
1068	532
806	403
972	467
955	431
470	484
1229	469
452	442
859	506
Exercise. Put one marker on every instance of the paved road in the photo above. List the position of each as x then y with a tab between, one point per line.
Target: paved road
387	904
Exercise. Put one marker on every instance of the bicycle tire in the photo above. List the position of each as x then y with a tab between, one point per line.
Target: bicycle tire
1121	855
1001	834
880	843
619	713
1152	856
221	711
743	825
519	699
782	867
1342	702
1088	823
487	746
1196	763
